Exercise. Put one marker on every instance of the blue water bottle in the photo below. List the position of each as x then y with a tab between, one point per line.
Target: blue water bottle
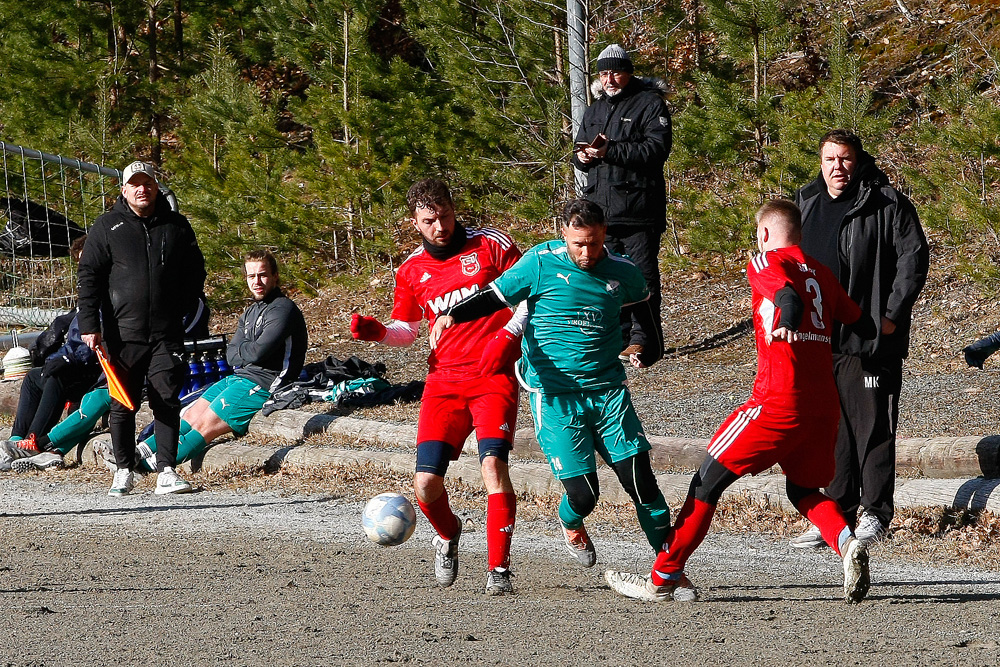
211	374
221	365
194	375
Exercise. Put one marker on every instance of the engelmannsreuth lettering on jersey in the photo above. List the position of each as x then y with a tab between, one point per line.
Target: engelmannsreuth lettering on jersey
573	336
426	287
797	377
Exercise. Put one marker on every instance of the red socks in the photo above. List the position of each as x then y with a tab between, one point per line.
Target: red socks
689	531
825	514
440	515
500	509
499	528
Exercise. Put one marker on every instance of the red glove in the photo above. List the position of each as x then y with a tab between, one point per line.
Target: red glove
366	328
500	353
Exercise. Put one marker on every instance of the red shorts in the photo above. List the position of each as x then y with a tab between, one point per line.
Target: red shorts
752	439
450	410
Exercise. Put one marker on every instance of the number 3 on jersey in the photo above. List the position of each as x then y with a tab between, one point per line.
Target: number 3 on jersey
812	287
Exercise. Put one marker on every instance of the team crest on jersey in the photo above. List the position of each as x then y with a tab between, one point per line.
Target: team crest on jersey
612	287
470	264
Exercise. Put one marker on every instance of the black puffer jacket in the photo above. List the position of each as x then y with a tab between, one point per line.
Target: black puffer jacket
141	275
627	183
883	258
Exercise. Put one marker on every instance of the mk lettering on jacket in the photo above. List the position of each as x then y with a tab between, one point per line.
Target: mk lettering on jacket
446	301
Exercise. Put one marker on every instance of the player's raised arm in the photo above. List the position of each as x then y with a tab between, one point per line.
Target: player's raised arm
395	334
367	328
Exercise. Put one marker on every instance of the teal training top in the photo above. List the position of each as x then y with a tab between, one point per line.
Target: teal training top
573	336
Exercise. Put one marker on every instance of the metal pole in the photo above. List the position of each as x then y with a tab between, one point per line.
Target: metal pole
576	29
82	166
48	157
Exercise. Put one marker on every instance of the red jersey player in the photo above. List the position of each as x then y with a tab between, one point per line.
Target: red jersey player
470	384
791	418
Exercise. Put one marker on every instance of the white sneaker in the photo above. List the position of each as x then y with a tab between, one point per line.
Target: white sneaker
870	528
498	582
123	483
811	539
169	481
446	557
42	461
5	453
579	544
105	453
857	578
639	587
18	449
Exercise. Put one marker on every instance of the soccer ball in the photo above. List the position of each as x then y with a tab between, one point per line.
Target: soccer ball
389	519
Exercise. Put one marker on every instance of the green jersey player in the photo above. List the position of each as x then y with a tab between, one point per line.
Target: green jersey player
575	289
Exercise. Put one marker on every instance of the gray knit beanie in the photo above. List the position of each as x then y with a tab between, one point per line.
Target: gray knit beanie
614	58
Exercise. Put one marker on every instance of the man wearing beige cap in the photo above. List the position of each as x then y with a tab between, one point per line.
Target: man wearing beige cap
622	144
140	272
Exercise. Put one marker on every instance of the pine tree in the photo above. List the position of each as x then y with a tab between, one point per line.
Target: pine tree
960	166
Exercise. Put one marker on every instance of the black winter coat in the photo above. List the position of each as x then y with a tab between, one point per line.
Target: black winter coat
883	258
140	275
627	183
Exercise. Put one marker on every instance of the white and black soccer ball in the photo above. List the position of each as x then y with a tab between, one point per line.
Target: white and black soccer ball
389	519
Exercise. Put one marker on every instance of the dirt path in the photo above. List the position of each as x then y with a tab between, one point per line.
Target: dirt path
258	579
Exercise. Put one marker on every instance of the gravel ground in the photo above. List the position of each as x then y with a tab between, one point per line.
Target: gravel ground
222	577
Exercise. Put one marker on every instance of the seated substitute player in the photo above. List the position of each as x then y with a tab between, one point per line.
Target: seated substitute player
66	376
65	435
791	417
574	290
470	385
266	352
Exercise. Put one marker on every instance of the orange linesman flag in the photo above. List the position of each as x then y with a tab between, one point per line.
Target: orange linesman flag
115	387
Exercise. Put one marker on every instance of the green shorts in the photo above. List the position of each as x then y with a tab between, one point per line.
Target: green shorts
571	428
236	400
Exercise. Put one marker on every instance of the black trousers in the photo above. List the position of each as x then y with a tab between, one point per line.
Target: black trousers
42	399
159	366
866	440
642	245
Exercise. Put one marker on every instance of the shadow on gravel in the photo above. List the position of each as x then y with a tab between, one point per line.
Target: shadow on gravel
952	598
947	582
734	332
168	508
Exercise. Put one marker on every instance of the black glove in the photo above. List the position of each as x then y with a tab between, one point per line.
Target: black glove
55	365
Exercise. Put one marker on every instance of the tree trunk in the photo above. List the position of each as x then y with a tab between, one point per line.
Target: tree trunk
560	68
179	30
154	75
694	18
347	60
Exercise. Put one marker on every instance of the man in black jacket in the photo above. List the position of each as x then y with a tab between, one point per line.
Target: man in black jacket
622	144
140	272
266	352
868	234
